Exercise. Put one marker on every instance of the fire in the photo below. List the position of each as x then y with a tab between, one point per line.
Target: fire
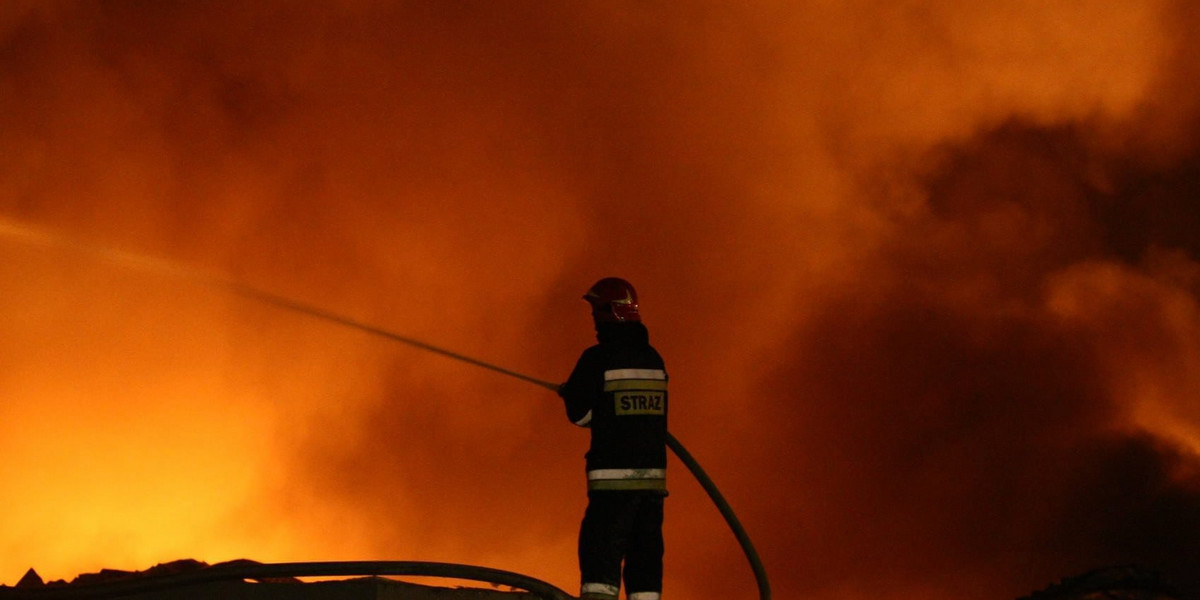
924	275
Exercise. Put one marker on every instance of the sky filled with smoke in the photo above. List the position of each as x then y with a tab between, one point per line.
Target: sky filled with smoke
924	274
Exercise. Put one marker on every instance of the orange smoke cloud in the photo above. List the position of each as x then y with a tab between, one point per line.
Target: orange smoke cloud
924	274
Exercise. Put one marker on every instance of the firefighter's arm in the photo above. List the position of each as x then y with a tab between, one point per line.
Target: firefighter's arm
578	392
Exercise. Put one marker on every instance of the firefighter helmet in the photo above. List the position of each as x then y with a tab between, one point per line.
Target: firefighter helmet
613	300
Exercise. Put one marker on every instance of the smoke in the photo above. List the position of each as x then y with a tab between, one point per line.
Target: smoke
924	273
976	405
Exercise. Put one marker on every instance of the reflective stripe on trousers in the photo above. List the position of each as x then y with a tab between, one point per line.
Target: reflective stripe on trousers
598	590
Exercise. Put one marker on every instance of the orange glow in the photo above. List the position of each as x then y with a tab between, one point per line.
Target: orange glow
924	275
1150	321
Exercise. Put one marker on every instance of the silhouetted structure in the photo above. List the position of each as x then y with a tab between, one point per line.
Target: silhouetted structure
1111	583
249	580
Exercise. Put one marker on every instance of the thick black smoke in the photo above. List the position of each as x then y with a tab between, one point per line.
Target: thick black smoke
962	415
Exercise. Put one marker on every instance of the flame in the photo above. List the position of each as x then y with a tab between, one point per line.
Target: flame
924	274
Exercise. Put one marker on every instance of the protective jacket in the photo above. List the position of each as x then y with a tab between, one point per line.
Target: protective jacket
619	389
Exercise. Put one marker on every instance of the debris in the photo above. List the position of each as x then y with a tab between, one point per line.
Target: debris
31	579
1118	583
182	579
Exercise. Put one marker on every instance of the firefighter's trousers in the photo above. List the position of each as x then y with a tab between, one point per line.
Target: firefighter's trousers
621	527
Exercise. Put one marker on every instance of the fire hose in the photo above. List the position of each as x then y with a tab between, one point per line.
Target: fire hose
31	235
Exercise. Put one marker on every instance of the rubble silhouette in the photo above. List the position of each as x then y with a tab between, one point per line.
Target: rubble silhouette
249	580
1127	582
243	579
30	579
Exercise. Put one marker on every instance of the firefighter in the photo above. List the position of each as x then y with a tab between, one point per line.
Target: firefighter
618	390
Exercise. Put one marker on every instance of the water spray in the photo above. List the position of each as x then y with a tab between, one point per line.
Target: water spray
30	235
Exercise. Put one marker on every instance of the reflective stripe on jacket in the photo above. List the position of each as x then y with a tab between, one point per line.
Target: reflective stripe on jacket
627	479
